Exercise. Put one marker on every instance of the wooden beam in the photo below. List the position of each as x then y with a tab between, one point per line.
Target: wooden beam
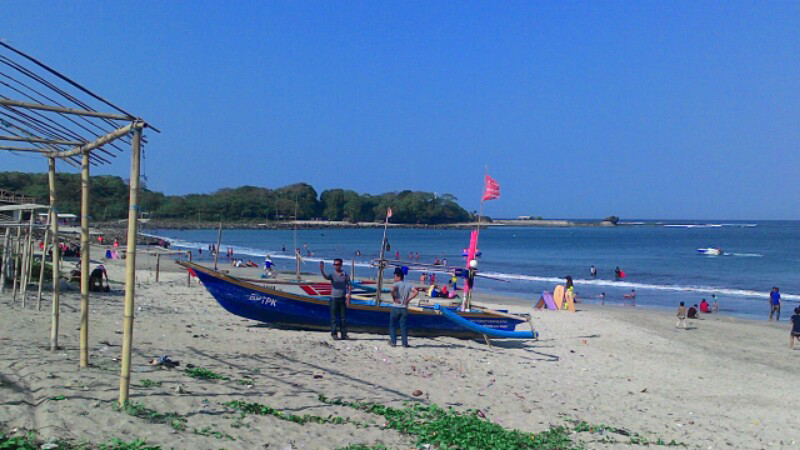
59	109
41	267
84	338
130	268
116	134
40	141
56	258
4	263
25	149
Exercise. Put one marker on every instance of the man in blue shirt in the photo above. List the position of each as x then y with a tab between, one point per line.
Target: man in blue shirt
775	304
340	296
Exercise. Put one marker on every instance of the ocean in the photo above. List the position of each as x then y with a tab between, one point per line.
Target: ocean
659	258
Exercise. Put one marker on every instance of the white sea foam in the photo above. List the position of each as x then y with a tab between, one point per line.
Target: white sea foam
641	286
693	225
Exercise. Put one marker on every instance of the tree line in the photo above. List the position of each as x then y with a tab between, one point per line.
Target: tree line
109	201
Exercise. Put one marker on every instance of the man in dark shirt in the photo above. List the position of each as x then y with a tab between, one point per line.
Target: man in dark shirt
340	296
692	313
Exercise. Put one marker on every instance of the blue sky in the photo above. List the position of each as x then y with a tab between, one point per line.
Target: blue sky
579	109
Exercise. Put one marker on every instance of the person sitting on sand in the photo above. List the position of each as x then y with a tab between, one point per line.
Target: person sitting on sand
705	307
681	317
96	280
795	333
692	313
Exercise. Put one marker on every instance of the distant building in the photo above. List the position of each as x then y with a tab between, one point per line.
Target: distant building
524	218
63	219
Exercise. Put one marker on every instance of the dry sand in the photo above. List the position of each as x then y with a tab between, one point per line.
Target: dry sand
724	382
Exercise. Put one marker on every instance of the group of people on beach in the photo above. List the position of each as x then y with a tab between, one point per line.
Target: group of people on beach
341	292
693	311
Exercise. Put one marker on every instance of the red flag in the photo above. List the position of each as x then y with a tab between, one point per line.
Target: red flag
491	189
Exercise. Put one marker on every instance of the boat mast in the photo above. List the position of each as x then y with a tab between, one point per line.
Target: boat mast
381	262
296	249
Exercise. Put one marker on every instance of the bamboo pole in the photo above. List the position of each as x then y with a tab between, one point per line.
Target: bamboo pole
56	257
130	267
4	262
26	266
78	112
41	265
158	265
84	338
17	262
219	241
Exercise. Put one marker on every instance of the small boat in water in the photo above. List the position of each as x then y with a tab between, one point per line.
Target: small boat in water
710	251
303	305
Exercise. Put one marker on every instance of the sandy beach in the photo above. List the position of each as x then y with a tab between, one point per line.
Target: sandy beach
723	383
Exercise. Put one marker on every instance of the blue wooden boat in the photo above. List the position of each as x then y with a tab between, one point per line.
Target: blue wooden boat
290	305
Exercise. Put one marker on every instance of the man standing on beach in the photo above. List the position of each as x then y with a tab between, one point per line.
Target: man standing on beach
340	296
775	304
402	294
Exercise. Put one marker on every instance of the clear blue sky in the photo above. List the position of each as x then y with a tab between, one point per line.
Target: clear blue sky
580	109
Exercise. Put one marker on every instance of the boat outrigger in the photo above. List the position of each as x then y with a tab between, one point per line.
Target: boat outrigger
303	305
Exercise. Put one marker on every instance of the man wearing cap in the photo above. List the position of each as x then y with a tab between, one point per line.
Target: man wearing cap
340	296
402	294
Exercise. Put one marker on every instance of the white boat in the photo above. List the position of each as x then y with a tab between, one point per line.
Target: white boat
710	251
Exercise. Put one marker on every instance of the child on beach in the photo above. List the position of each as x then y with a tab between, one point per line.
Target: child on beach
681	317
795	333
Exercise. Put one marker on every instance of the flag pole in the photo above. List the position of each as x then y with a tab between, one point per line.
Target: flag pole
380	261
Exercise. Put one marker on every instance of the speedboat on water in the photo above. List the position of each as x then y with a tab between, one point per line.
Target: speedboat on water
710	251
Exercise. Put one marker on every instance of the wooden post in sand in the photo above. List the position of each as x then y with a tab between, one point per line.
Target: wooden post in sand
189	274
4	261
158	265
56	258
26	261
17	264
84	345
42	263
130	267
219	241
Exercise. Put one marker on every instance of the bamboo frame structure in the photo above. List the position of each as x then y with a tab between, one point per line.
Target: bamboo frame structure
74	132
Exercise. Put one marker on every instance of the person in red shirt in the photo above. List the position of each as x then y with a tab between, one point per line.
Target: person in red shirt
705	307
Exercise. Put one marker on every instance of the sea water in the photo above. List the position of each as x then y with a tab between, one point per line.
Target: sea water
659	258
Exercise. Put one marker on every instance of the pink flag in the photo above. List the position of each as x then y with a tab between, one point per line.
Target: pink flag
491	189
388	213
473	246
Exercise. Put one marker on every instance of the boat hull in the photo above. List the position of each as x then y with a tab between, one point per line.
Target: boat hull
287	310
